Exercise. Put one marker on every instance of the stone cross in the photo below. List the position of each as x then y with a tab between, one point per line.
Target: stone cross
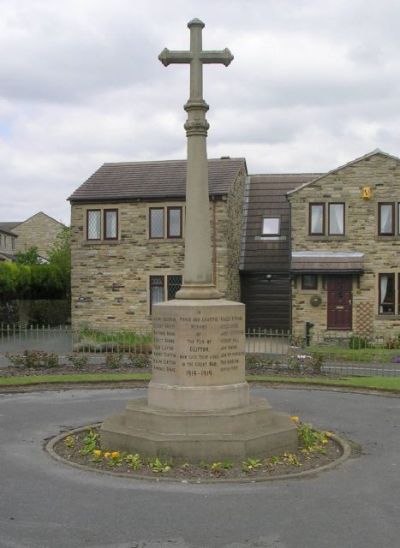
198	280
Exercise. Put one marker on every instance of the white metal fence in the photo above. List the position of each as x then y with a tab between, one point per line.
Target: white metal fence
357	355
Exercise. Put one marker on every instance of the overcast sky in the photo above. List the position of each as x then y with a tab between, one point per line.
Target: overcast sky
314	84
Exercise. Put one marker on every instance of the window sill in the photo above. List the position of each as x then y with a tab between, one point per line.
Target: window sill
161	240
317	238
270	238
384	317
100	242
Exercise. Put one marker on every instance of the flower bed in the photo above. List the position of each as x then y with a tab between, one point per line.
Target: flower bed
316	450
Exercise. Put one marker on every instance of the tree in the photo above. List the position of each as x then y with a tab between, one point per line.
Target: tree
60	258
30	256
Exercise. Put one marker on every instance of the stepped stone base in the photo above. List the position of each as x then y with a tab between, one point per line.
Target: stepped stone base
251	431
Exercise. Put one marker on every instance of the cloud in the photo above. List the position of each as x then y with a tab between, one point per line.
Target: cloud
312	85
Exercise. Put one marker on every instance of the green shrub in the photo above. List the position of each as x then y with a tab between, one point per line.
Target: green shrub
114	360
139	360
34	359
356	342
79	361
316	362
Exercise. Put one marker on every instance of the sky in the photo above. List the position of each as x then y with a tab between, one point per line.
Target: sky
313	84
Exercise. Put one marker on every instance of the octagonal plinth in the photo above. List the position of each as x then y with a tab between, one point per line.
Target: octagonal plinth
251	431
198	403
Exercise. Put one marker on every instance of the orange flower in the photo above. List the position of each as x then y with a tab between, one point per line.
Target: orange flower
115	454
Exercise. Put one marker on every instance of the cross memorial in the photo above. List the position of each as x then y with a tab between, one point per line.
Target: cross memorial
197	274
198	404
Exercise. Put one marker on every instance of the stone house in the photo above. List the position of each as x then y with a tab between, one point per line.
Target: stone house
7	243
127	239
345	249
39	230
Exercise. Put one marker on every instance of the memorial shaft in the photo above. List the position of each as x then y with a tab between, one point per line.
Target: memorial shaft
198	280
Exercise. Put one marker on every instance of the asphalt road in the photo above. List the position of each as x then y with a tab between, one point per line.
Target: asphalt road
45	504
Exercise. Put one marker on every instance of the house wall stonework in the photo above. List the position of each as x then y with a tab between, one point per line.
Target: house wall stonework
381	173
39	231
110	279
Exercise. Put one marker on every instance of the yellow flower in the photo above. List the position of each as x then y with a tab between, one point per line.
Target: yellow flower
97	453
107	455
115	454
295	418
328	434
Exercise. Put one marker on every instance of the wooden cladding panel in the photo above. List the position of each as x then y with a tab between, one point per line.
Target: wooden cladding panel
267	301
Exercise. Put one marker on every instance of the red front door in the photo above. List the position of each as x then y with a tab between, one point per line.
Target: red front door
340	299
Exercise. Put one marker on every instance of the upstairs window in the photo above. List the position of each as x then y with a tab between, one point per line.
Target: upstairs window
386	219
110	224
317	219
165	222
174	222
271	226
93	224
156	220
336	219
102	224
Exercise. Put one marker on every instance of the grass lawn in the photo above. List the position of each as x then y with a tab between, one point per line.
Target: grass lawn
364	355
91	336
73	378
378	383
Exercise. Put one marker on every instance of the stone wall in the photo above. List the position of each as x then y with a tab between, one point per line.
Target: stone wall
110	279
381	253
39	231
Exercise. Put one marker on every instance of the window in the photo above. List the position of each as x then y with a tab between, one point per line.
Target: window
271	226
386	219
174	222
165	221
110	224
156	291
12	242
317	218
93	224
156	222
174	283
309	281
158	284
398	218
386	294
336	219
102	224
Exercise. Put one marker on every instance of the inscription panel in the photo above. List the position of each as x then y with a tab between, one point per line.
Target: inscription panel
198	345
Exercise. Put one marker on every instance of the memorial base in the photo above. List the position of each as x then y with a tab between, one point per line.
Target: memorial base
252	431
198	405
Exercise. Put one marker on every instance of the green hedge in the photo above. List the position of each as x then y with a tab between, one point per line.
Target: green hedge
37	281
35	312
